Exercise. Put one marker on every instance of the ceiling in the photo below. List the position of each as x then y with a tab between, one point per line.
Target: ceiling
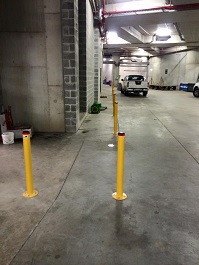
137	21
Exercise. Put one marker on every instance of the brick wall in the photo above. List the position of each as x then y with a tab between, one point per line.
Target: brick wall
97	59
90	54
82	57
86	56
70	49
79	60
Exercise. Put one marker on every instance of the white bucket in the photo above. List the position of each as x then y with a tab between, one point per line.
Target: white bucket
8	137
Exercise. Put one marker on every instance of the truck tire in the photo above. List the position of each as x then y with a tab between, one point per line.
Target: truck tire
196	92
126	93
119	86
145	93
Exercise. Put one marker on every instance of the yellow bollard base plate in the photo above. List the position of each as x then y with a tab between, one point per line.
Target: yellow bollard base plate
27	195
119	198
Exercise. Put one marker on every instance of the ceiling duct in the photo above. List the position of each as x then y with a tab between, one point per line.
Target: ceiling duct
95	5
99	19
162	38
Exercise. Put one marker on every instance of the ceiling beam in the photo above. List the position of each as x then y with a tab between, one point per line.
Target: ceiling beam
143	45
122	33
112	23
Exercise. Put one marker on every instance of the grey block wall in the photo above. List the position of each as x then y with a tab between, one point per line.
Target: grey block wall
97	60
70	48
30	48
82	57
89	54
86	53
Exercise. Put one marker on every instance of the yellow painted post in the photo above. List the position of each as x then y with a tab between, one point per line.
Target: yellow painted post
112	86
114	99
113	91
116	118
119	195
30	192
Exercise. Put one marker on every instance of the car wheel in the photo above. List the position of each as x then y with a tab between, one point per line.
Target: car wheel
196	92
126	93
145	93
119	87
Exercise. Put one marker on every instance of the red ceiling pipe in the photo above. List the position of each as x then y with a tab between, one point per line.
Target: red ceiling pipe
169	8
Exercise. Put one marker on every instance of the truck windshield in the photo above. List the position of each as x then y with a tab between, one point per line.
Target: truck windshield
135	78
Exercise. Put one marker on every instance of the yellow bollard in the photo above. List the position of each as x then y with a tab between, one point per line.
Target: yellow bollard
114	99
30	192
116	118
113	91
119	195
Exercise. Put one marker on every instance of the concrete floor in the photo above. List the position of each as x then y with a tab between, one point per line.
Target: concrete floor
74	219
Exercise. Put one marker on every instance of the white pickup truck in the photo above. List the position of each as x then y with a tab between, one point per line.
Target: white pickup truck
196	90
134	84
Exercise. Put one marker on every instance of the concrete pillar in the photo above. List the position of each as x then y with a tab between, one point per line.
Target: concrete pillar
54	65
70	49
115	73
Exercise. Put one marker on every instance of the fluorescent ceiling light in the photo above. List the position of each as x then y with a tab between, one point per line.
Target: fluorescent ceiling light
141	50
144	58
149	11
112	34
163	32
136	59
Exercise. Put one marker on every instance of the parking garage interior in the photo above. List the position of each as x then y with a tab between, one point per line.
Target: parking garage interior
58	59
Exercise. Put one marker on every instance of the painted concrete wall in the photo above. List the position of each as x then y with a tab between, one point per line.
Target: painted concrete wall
182	68
54	65
107	71
132	70
30	63
123	71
